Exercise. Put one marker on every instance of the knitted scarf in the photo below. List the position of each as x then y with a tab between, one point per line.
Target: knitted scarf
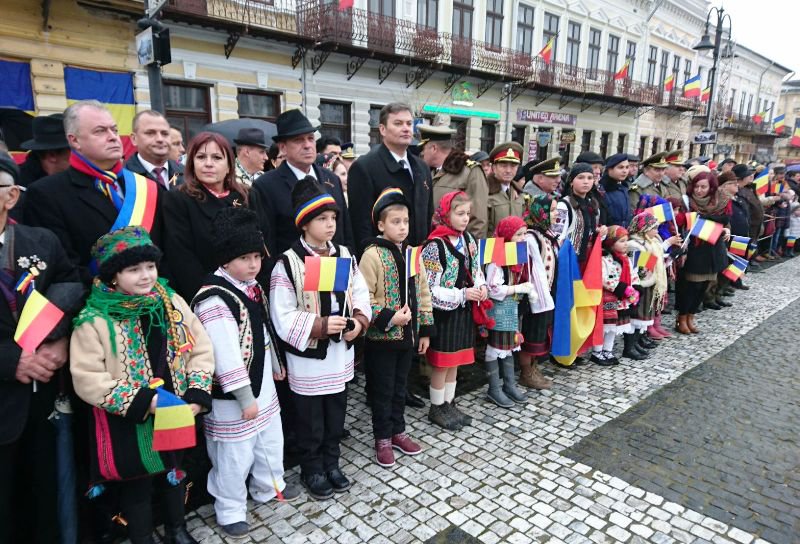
709	205
105	180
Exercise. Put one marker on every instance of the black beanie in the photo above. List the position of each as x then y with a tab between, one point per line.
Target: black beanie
235	233
309	200
579	168
8	165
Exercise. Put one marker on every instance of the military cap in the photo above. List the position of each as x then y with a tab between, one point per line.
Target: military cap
506	152
674	158
479	156
655	161
348	150
550	167
428	133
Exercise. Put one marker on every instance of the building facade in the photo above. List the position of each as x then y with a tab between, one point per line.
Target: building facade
790	106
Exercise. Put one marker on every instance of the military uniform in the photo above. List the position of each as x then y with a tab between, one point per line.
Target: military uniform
646	186
504	200
550	168
458	173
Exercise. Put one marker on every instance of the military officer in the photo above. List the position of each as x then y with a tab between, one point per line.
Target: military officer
348	154
675	172
543	177
504	199
652	180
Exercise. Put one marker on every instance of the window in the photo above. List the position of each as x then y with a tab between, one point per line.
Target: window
732	103
664	67
188	107
494	23
595	36
460	137
621	143
750	105
668	145
605	137
382	7
428	13
676	68
259	105
613	54
573	43
374	124
462	18
742	100
680	144
651	65
550	31
642	146
525	29
586	140
488	132
687	71
630	55
518	134
656	145
334	119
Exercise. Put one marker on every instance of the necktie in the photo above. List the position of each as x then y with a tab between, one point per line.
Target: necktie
158	171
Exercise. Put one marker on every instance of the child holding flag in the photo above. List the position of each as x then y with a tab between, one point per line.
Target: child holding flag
134	329
402	322
318	309
456	282
506	284
243	431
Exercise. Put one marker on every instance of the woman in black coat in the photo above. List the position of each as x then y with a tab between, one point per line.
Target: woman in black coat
209	186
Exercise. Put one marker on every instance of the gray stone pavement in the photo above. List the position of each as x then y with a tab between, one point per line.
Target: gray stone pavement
511	478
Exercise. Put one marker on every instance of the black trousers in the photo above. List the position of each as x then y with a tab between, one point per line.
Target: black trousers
319	425
387	376
689	295
136	503
28	480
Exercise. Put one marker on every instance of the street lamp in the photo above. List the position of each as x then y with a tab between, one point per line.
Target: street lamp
704	45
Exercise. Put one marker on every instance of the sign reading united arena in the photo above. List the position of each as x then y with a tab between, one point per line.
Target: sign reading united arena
533	116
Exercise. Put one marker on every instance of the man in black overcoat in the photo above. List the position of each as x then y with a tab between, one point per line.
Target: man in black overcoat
151	137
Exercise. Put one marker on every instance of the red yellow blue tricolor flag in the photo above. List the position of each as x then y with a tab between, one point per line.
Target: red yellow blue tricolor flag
495	250
113	89
623	72
412	261
707	230
547	51
662	212
795	141
644	259
173	426
739	245
691	88
778	123
759	117
705	96
38	319
735	270
790	241
577	300
762	182
669	83
327	274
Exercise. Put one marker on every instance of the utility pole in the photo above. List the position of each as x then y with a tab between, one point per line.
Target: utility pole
161	53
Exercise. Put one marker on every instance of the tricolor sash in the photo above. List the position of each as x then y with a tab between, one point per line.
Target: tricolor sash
139	206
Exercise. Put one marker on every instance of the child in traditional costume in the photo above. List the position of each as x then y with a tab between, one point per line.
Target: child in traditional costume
134	329
537	312
402	323
618	296
456	282
243	431
317	330
507	285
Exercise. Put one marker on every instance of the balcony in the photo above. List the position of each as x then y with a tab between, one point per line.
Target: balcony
743	124
266	18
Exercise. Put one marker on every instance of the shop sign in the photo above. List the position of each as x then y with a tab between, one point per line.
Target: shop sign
533	149
548	117
463	95
567	137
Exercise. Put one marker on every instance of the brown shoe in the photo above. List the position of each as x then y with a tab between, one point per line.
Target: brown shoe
681	325
526	374
538	379
692	324
760	258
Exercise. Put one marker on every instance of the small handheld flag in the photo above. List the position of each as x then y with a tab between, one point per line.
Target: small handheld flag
790	241
38	319
494	250
662	212
691	218
778	188
751	250
707	230
173	428
762	182
644	259
691	88
735	270
412	261
739	245
327	274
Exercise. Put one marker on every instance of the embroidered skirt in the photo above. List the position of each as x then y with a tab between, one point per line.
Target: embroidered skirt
537	332
454	343
644	311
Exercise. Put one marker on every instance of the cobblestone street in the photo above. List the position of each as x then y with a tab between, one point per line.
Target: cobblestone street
697	444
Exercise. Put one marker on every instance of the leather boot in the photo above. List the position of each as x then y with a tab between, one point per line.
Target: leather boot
140	522
630	350
657	324
510	381
495	392
643	343
539	379
526	373
682	324
174	525
653	333
723	303
692	324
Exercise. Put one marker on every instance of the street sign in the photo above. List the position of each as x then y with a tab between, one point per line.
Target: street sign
154	6
705	138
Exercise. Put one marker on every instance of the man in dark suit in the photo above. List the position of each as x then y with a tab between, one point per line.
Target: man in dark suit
27	438
80	204
271	194
390	165
151	137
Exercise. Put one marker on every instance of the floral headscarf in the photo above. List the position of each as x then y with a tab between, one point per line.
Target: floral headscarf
642	222
441	217
615	233
537	216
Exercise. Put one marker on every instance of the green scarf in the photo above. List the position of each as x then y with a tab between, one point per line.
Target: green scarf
110	305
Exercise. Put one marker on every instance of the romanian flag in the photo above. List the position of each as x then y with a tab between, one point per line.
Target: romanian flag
691	88
327	274
16	91
644	259
751	250
739	245
790	241
735	269
691	217
547	51
759	117
778	188
762	182
495	250
795	141
412	261
113	89
705	96
345	4
38	319
707	230
778	123
669	83
662	212
173	427
577	302
623	72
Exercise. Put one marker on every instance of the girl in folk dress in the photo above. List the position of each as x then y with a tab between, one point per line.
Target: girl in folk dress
456	282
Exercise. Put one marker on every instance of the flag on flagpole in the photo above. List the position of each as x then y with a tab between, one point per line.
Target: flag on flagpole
412	261
662	212
644	259
778	123
759	117
705	96
739	245
38	319
327	274
173	426
623	72
795	141
547	51
691	88
707	230
735	269
762	182
669	83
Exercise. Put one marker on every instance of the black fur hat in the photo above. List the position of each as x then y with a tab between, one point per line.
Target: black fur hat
235	233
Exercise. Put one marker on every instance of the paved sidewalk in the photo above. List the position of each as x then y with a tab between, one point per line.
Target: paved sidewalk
510	477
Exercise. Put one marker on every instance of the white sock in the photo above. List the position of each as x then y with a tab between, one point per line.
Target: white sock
597	350
608	340
449	391
437	396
